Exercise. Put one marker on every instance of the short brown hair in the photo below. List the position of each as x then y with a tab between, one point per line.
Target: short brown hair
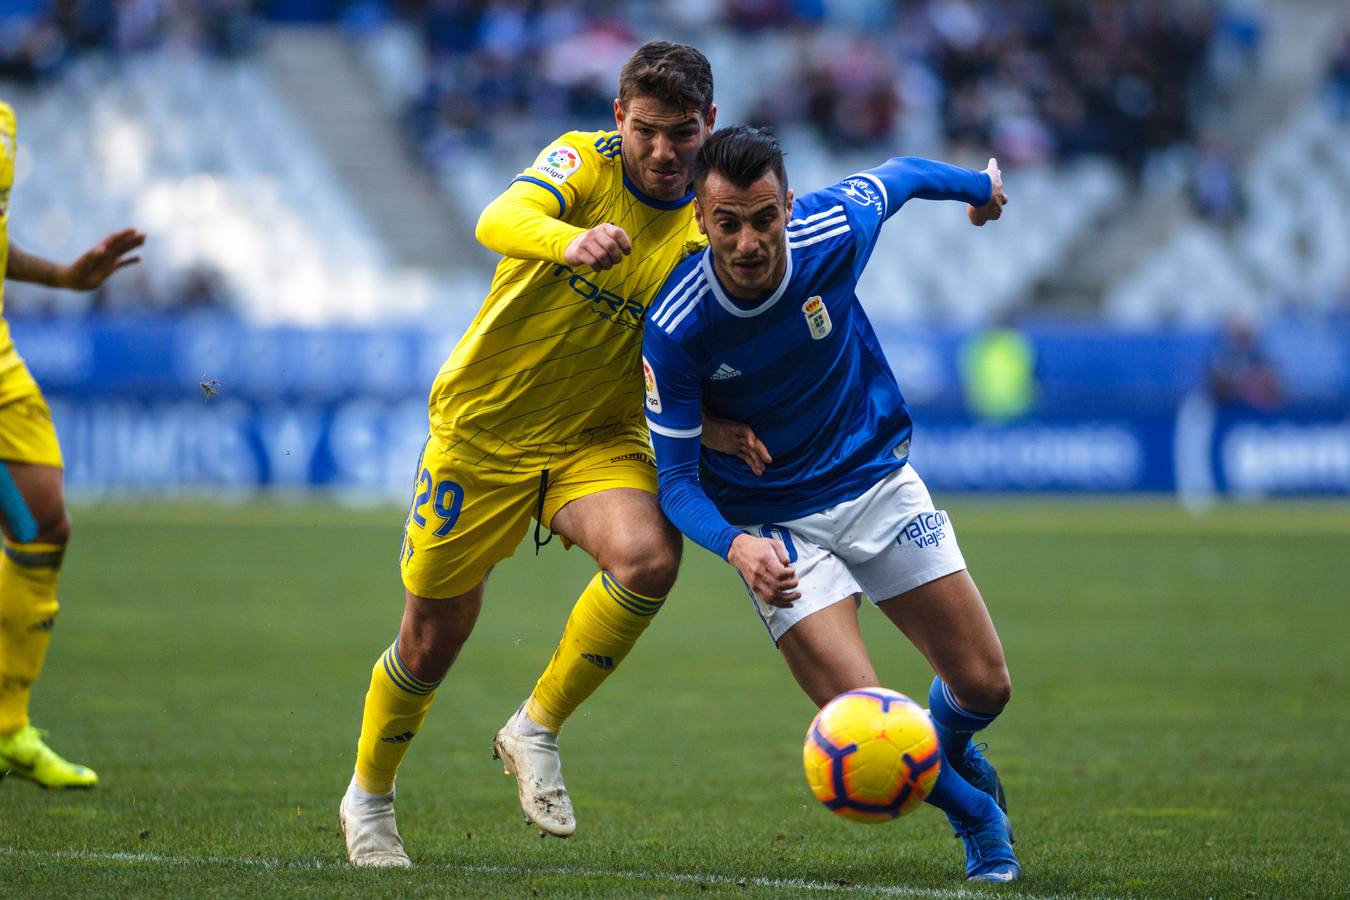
676	75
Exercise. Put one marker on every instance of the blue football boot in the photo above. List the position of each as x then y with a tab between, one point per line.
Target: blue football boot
989	852
980	772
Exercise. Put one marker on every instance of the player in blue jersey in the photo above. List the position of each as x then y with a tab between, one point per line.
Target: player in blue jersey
764	328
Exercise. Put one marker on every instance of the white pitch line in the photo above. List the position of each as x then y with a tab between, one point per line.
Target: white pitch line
798	884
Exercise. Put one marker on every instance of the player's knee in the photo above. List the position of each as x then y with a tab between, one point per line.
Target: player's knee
427	655
428	645
991	691
647	567
54	527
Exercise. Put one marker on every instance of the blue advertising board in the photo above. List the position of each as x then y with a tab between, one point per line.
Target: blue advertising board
208	406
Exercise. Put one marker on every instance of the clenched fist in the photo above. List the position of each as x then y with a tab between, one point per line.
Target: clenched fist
600	248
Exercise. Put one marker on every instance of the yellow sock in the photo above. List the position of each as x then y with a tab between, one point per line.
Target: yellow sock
396	705
605	624
28	577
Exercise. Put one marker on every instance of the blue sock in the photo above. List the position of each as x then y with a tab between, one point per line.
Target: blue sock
954	795
953	722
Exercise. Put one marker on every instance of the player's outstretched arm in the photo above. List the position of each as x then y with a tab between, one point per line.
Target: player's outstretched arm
905	178
735	439
990	211
766	568
88	271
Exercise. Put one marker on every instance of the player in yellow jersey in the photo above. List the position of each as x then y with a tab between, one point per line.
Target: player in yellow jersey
32	508
538	413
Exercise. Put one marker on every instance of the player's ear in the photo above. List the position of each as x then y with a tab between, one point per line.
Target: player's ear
789	203
698	217
618	114
712	119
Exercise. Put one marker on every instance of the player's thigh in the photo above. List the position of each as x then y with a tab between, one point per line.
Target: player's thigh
462	521
603	499
31	494
946	619
826	653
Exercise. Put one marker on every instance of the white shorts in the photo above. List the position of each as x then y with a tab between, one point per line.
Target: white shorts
888	541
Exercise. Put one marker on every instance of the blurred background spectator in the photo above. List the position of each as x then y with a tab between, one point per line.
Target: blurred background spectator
1240	371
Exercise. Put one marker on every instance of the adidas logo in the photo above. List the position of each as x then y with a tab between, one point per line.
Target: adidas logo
724	372
604	662
398	738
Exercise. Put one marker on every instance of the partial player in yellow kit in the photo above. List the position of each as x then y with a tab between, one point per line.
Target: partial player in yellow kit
32	507
538	413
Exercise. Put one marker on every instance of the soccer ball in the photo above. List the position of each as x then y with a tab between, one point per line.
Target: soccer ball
871	755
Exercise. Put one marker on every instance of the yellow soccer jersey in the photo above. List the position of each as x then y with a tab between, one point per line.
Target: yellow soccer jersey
552	361
10	363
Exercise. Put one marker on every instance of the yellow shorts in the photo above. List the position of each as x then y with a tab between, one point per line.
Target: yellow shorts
465	519
27	434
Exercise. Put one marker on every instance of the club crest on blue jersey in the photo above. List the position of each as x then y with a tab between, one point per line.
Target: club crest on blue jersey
817	317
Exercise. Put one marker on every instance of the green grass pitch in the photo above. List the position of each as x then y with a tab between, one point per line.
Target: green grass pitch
1179	721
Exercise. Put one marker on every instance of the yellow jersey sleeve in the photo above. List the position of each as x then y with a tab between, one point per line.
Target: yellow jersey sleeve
571	168
529	220
520	224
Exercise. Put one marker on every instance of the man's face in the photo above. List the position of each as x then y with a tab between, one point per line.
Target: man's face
747	231
659	145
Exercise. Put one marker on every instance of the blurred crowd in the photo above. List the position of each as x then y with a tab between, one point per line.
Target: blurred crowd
198	289
37	37
1338	81
1034	80
1030	81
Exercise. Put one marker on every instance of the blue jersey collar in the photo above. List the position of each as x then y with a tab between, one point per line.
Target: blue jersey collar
731	305
652	201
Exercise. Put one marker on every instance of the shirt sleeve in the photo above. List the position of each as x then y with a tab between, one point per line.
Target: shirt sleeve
870	198
528	219
675	417
904	178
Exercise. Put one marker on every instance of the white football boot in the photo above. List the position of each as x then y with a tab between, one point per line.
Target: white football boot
371	834
530	752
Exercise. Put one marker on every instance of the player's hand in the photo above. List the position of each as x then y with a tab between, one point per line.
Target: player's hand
101	260
997	200
735	439
763	563
601	247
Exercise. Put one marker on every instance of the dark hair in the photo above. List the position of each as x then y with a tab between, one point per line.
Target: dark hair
676	75
741	155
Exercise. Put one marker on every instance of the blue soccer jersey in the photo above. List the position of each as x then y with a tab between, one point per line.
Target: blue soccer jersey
802	366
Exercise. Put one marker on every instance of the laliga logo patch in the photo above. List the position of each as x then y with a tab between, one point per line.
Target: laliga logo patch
560	163
817	317
4	202
653	395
